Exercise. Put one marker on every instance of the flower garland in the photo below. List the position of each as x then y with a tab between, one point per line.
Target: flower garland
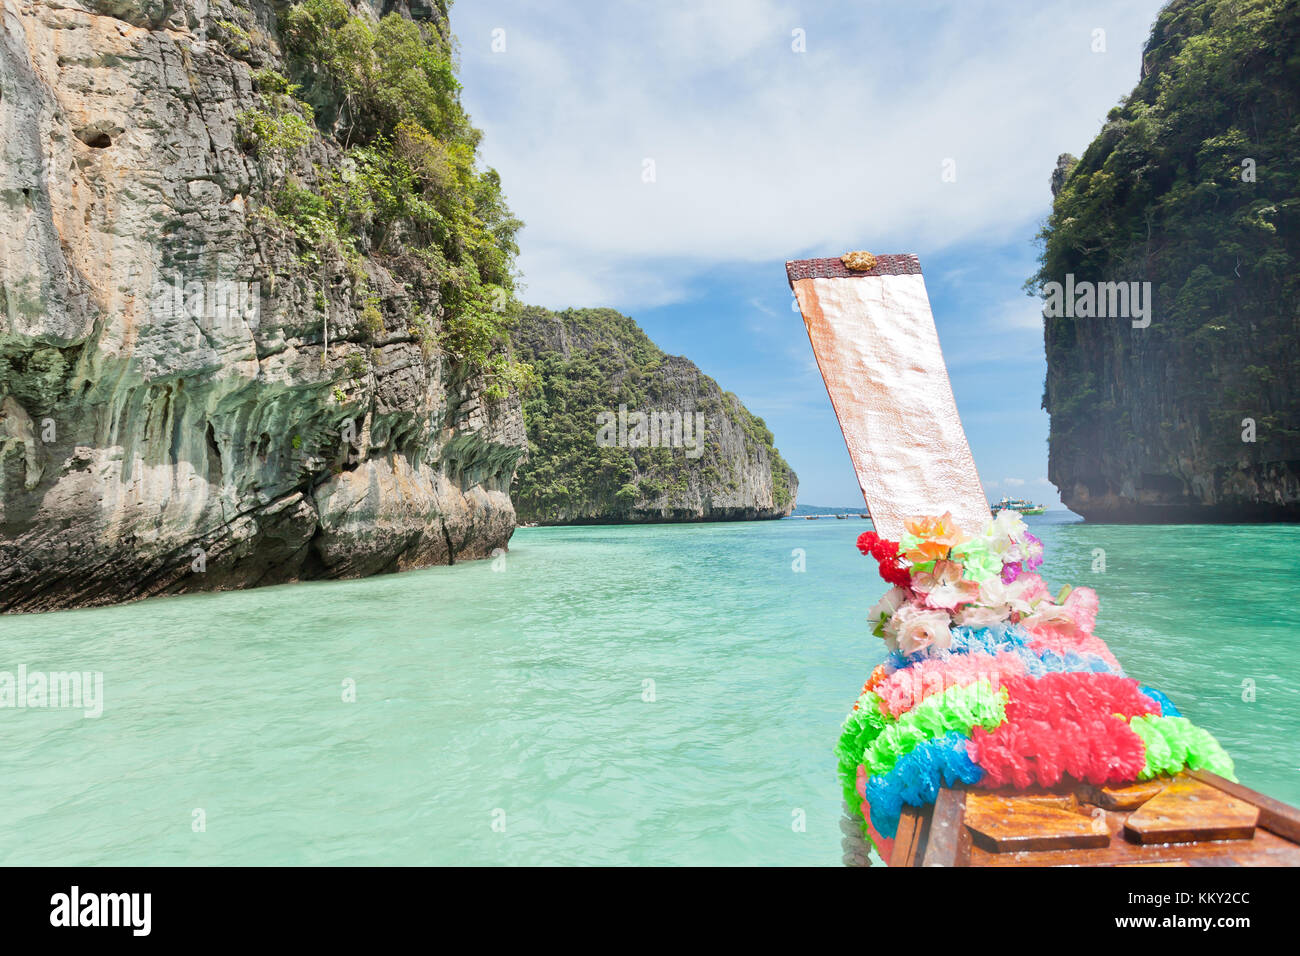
992	681
1064	723
957	708
1175	742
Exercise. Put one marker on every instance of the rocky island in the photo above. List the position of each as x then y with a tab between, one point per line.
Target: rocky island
670	444
1190	411
252	287
255	302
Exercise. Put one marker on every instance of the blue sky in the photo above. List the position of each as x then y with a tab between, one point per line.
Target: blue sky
763	152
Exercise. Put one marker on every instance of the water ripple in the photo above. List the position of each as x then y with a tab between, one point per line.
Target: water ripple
627	695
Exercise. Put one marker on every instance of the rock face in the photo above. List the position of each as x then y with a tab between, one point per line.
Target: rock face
591	459
181	406
1191	412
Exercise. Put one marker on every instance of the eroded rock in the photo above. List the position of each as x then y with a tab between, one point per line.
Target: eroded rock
201	433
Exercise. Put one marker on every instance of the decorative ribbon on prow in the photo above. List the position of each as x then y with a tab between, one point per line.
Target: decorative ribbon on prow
873	334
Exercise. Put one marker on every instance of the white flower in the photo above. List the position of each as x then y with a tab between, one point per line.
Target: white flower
1003	535
949	596
919	629
1009	524
976	616
995	593
883	610
887	605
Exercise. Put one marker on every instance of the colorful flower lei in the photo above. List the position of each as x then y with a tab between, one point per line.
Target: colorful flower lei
991	681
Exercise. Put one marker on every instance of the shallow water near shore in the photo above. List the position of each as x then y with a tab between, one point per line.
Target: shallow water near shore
626	694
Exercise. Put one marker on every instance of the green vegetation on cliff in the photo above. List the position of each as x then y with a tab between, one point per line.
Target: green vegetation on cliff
1193	184
592	361
407	190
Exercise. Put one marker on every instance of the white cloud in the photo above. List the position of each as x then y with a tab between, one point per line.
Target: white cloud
1013	482
1021	314
765	154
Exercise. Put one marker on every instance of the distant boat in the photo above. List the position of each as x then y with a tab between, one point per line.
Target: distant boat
841	517
1018	504
811	517
868	517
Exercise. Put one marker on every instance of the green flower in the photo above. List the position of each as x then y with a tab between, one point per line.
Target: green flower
978	562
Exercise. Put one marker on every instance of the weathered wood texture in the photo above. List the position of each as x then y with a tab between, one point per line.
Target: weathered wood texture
1005	825
979	828
1274	815
1128	797
1188	811
909	843
948	842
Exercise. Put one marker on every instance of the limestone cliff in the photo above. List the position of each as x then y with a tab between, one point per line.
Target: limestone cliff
621	432
206	381
1192	411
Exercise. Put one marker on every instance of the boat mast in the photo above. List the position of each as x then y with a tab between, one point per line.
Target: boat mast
873	334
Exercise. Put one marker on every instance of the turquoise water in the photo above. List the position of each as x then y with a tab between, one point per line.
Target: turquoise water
505	716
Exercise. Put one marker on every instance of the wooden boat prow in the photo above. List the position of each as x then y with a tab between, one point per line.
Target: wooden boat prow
1194	819
876	344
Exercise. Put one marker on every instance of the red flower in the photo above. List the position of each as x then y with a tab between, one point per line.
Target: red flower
879	548
885	550
895	573
886	553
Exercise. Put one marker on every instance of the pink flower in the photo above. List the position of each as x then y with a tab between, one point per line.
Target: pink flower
1075	617
944	587
1033	551
1030	588
1082	605
949	597
1049	618
944	572
905	688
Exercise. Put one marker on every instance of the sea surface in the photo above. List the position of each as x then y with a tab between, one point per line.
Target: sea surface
614	695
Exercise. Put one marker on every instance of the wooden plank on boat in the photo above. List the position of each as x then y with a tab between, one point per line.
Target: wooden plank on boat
1274	816
1266	849
1165	863
1011	825
1061	800
948	840
1189	811
1127	797
910	839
